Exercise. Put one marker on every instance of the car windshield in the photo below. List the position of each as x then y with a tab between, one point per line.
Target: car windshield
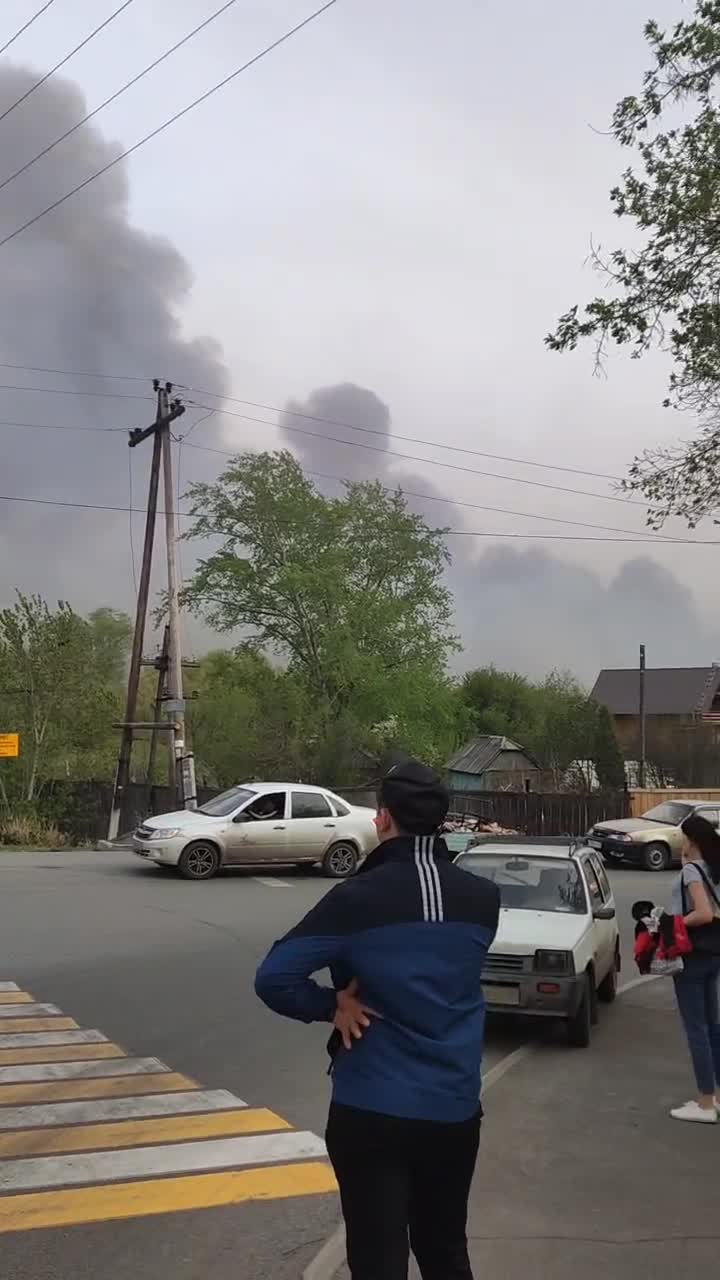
227	802
531	884
671	815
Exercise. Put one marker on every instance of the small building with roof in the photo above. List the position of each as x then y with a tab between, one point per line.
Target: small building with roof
493	763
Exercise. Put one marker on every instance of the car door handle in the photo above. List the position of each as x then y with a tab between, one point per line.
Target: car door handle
280	828
328	824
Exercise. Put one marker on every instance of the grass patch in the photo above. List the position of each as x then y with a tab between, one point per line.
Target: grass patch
30	831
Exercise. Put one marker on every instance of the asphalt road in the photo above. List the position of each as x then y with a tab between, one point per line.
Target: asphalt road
164	969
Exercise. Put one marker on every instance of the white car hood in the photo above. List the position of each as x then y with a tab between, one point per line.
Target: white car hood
524	932
182	818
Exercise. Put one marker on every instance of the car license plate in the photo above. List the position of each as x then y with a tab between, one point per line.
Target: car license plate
495	994
595	844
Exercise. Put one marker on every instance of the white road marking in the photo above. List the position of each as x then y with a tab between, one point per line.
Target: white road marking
272	884
43	1039
638	982
156	1104
28	1010
81	1070
505	1064
9	986
149	1162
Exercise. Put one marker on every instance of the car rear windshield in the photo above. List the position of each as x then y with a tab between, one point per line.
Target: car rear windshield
531	884
227	802
671	814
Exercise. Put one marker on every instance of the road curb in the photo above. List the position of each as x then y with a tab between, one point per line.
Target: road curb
329	1260
326	1264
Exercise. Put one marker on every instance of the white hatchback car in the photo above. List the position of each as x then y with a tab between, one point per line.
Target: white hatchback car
557	948
260	823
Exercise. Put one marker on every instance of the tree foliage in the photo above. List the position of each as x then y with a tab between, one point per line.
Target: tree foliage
347	592
569	733
58	691
664	294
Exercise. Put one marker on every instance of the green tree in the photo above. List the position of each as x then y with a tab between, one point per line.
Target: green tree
554	719
664	290
500	702
348	592
111	638
248	719
54	695
607	755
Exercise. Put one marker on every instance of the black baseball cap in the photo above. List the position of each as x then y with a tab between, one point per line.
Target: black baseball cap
415	796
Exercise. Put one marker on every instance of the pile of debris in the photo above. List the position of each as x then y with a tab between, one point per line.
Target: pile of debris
471	824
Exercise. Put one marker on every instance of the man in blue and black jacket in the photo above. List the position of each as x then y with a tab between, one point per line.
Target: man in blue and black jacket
405	942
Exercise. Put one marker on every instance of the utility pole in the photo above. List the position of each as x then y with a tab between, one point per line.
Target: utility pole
161	664
163	418
643	742
184	760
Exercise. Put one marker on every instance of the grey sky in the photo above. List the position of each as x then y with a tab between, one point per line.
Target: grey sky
399	200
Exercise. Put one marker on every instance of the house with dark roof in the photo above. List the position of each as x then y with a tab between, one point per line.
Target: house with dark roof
676	698
493	763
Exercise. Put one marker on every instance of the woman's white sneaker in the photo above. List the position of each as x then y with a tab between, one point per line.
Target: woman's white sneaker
693	1112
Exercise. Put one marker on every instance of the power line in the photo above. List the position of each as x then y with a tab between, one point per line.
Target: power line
29	23
171	120
80	373
67	391
432	462
456	502
375	431
410	493
67	58
113	98
462	533
311	417
59	426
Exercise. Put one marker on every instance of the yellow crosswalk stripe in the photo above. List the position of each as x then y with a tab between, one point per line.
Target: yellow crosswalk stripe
9	1026
152	1142
36	1209
59	1053
139	1133
66	1090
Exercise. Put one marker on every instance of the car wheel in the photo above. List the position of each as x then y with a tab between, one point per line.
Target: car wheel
656	857
200	861
340	861
579	1026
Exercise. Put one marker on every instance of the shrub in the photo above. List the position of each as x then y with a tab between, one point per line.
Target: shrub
27	830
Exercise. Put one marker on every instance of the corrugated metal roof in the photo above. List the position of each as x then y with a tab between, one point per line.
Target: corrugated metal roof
669	691
479	755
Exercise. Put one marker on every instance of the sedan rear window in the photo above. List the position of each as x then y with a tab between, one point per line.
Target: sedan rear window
531	884
227	802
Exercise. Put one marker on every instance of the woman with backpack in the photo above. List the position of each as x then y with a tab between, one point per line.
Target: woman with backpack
696	897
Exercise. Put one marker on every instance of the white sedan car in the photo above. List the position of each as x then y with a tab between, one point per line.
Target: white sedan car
557	948
260	823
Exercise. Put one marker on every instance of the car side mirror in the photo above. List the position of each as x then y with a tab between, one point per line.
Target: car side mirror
240	817
604	913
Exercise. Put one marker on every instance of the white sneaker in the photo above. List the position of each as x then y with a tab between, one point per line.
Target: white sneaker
694	1112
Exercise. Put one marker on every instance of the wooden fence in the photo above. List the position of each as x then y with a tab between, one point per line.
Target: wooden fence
641	801
81	809
549	814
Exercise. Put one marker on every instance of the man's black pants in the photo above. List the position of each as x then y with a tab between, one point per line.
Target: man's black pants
403	1184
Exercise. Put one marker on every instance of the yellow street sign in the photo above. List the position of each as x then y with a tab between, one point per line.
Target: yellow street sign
9	745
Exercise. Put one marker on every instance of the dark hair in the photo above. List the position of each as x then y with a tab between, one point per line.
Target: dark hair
706	839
